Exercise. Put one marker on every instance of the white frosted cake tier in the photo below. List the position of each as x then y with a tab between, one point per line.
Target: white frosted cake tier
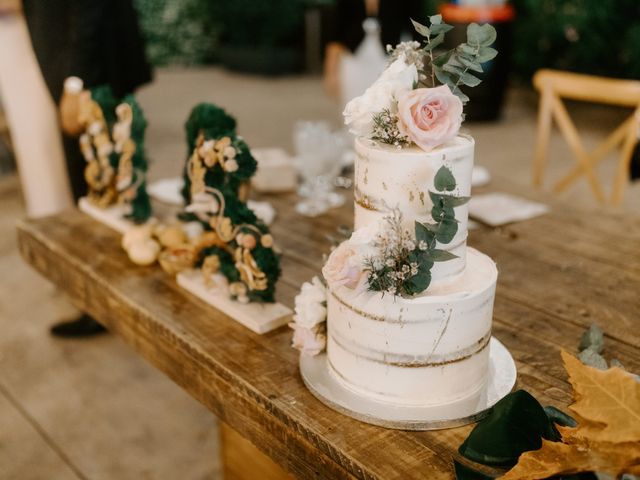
388	178
428	350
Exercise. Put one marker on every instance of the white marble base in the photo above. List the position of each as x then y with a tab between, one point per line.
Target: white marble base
258	317
325	387
112	217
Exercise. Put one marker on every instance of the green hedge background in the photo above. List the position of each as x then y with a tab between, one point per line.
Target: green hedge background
592	36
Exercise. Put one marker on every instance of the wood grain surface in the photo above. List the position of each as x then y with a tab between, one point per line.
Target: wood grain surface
557	274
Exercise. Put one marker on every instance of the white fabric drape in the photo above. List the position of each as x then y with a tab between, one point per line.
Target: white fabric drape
33	122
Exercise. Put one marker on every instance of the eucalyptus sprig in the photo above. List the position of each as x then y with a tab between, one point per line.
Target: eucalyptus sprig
454	67
403	264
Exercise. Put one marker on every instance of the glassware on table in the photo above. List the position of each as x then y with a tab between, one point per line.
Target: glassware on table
318	159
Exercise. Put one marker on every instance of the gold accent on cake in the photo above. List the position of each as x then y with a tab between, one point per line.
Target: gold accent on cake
414	361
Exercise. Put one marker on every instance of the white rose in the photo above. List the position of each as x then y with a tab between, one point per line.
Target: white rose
310	309
398	77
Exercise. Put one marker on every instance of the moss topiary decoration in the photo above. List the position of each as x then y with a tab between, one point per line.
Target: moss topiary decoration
113	145
237	244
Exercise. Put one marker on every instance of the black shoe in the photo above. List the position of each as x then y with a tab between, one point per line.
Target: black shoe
83	326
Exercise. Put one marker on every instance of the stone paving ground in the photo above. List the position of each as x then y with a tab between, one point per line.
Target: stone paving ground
92	409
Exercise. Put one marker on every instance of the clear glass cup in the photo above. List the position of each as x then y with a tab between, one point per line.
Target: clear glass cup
318	159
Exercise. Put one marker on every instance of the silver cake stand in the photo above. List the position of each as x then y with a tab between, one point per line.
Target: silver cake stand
323	385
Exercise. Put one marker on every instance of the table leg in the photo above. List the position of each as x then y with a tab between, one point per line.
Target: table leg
241	460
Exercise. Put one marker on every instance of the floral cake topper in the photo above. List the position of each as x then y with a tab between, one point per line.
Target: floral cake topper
418	98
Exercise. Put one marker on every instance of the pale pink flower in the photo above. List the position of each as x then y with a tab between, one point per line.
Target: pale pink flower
429	116
310	341
344	267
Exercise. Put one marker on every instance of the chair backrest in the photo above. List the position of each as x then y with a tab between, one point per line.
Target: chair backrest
589	88
555	86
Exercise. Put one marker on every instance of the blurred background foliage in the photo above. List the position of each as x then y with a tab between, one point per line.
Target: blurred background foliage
267	36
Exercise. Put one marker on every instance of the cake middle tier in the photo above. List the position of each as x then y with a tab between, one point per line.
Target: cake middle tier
427	350
388	178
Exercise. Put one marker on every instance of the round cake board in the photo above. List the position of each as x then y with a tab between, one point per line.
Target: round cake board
331	392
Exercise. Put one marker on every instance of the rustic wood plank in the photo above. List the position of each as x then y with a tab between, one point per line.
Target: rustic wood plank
550	287
243	461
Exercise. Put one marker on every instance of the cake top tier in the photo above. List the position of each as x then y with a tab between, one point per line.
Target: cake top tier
404	181
417	100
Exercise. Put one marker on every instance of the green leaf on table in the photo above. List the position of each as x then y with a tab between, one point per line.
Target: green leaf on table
421	29
589	356
483	35
444	180
558	416
515	424
592	338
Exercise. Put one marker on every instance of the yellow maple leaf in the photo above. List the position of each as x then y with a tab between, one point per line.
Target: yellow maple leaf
555	458
606	401
607	438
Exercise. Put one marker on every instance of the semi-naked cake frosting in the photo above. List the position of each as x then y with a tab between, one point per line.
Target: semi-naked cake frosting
405	307
429	349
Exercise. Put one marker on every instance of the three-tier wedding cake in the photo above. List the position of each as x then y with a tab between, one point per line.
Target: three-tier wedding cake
408	305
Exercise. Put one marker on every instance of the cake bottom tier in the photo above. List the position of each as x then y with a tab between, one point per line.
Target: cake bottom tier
428	350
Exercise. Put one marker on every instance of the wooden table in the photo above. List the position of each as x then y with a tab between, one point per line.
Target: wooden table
558	274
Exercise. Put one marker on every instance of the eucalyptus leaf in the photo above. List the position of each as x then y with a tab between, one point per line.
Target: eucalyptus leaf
447	201
444	77
440	60
460	94
592	338
469	79
418	283
446	232
483	35
486	53
423	233
437	29
444	180
515	424
437	255
434	42
593	359
470	50
435	19
456	68
421	29
470	64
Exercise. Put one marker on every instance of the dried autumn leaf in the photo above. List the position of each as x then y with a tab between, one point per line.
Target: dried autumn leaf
607	402
555	458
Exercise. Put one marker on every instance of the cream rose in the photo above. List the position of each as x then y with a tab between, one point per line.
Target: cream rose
344	267
399	77
310	309
429	116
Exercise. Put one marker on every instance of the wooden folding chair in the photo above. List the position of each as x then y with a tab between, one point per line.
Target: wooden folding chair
555	86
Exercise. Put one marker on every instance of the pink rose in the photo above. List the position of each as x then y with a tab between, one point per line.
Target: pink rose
310	341
343	267
429	116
